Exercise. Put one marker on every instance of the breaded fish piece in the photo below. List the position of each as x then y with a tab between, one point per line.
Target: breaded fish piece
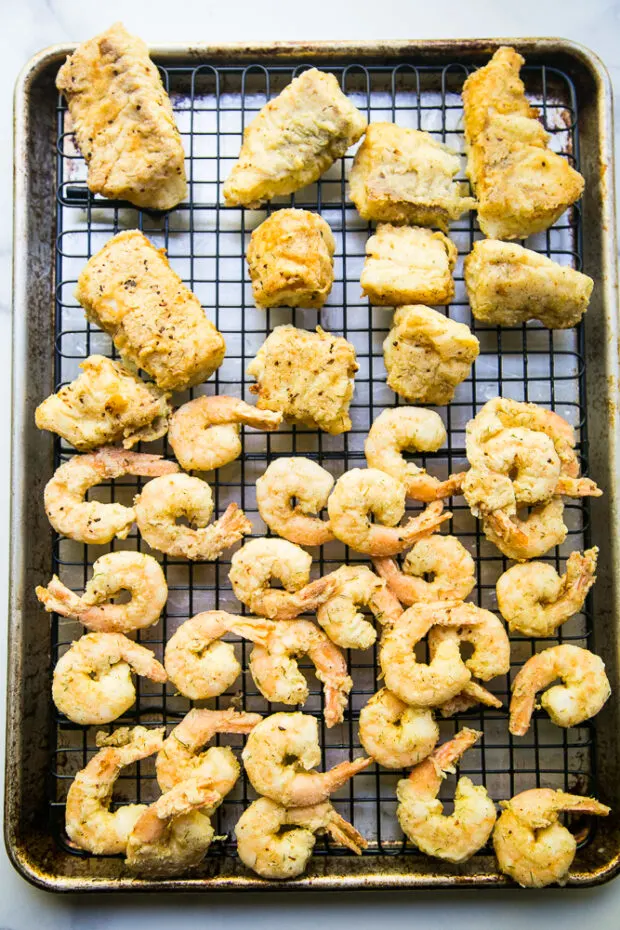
408	265
293	140
291	260
521	186
307	376
106	403
508	285
427	355
405	176
123	121
129	289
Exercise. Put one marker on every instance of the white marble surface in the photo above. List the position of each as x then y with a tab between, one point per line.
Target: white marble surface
29	25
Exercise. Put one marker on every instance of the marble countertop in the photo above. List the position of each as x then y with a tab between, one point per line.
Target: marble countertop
30	25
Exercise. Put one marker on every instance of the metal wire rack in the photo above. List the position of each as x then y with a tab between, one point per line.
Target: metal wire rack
206	244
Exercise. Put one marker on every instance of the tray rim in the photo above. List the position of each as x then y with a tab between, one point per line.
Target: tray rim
316	878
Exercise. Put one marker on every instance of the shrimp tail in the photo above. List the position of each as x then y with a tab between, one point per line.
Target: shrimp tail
473	693
424	523
577	487
57	598
427	489
257	629
345	834
336	697
232	526
341	773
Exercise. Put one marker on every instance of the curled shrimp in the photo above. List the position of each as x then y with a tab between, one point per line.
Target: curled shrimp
535	600
365	491
180	756
94	521
437	568
396	735
280	754
163	500
531	846
412	429
339	616
420	812
485	632
90	823
199	664
584	690
92	681
260	560
204	433
288	492
173	834
446	674
139	574
267	844
277	674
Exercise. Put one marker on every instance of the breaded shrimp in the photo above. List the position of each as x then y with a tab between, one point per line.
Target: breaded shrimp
199	664
437	568
92	681
413	429
420	813
361	492
90	823
204	432
139	574
277	674
94	521
279	756
260	560
182	754
584	690
339	616
530	844
163	500
290	490
393	733
535	600
267	844
486	633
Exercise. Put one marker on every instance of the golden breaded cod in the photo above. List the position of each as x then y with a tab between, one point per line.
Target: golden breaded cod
521	186
293	140
123	121
106	403
427	355
307	376
508	285
129	289
290	258
408	265
405	176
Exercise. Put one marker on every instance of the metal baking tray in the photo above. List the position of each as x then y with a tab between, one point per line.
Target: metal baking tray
215	91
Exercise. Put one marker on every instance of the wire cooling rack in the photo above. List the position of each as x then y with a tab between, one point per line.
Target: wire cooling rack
206	244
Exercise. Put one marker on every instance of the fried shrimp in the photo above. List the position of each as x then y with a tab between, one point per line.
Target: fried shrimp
204	433
277	675
339	616
94	521
395	735
584	689
413	429
535	600
530	844
485	632
267	844
437	568
92	681
288	492
420	813
446	674
280	754
172	835
180	756
363	492
139	574
90	823
260	560
199	664
164	500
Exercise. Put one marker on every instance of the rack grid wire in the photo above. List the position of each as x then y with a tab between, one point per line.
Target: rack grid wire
206	244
